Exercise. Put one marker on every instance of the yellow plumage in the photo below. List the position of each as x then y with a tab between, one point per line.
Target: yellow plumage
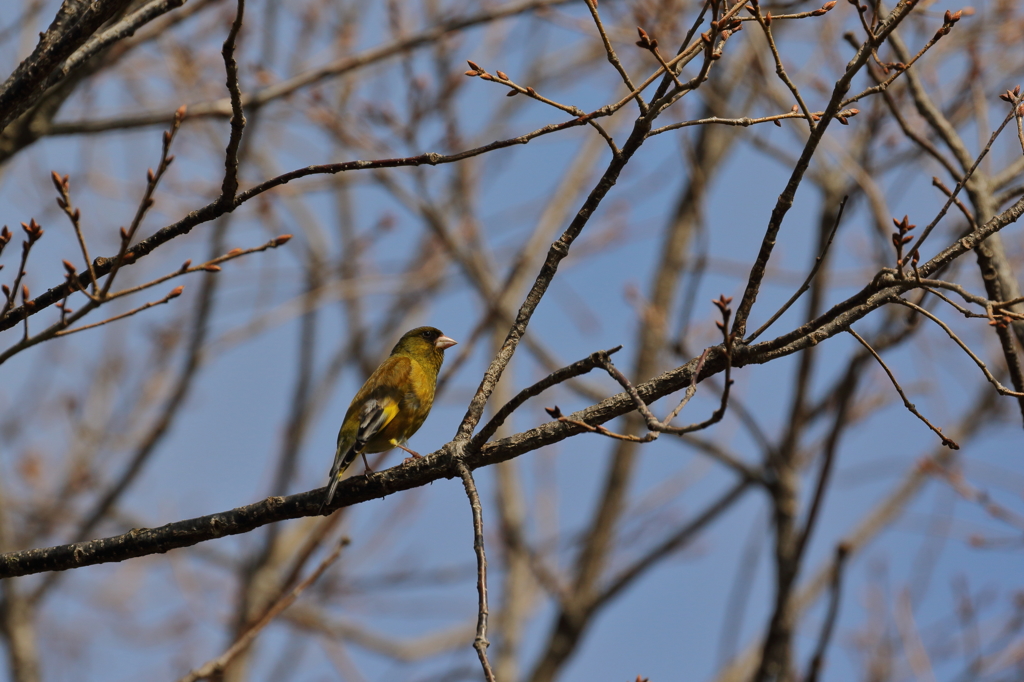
393	403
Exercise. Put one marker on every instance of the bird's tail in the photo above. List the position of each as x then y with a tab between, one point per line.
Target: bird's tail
343	458
373	417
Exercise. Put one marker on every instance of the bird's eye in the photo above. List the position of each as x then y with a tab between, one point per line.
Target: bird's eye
425	335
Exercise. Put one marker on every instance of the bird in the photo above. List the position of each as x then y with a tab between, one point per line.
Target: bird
393	403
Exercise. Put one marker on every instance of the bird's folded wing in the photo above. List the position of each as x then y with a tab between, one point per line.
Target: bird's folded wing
374	416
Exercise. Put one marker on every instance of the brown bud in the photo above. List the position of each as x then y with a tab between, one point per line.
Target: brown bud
768	18
179	115
842	119
531	92
176	292
24	293
149	175
55	177
211	268
778	123
69	267
473	65
124	235
185	265
7	291
61	202
233	252
282	239
829	5
471	74
76	215
511	93
502	75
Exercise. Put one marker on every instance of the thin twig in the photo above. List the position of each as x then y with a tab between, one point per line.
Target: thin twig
684	57
956	190
174	293
683	47
653	424
556	414
897	69
66	319
33	232
614	58
807	282
480	642
780	70
959	204
63	186
152	180
948	442
956	339
747	121
564	374
502	79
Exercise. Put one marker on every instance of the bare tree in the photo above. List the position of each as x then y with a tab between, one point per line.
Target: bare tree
300	182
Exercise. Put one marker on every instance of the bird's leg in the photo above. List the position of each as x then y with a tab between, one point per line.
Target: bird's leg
415	455
366	464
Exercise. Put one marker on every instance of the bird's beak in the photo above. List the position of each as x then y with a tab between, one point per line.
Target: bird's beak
444	342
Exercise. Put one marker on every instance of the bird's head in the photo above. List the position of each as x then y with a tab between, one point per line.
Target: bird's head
423	342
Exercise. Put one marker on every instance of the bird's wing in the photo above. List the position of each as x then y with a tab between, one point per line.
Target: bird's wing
375	414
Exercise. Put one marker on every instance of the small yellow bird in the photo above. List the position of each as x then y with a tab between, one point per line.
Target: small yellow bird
393	403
